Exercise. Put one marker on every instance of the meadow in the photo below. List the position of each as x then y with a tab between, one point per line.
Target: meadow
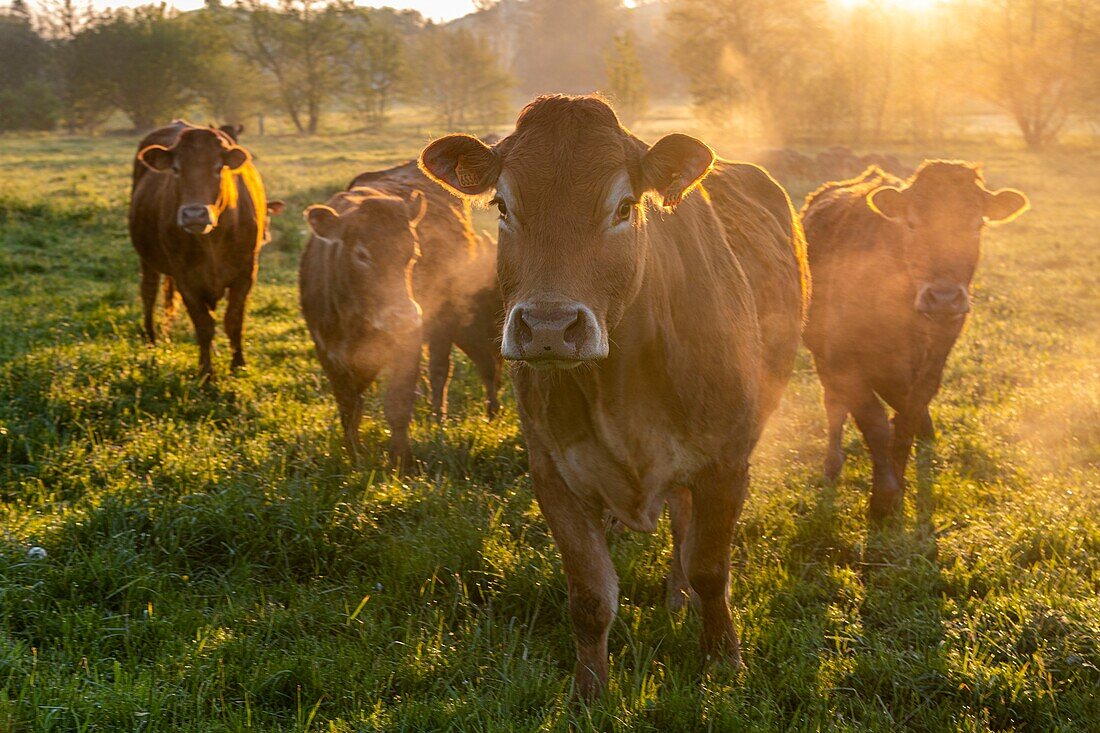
215	564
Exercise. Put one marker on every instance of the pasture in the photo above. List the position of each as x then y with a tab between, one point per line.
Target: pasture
215	564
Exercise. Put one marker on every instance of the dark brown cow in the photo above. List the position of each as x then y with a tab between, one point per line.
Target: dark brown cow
355	275
197	216
650	345
892	262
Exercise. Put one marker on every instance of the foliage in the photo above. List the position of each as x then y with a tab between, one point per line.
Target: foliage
376	65
296	44
144	60
563	44
626	84
1036	59
229	88
27	99
460	81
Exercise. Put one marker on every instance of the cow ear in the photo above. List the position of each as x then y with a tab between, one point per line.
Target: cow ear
1005	205
417	206
674	165
323	221
888	202
462	164
235	157
276	207
156	157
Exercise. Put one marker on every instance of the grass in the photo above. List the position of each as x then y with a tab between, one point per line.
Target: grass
214	564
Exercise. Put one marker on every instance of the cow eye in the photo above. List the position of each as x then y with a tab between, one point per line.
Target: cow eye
499	203
626	208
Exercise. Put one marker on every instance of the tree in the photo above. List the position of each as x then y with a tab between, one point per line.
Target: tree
27	99
459	79
750	53
143	60
626	84
563	44
84	103
1033	59
296	45
229	88
376	65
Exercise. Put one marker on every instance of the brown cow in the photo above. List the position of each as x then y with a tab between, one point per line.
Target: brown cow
892	262
197	216
651	345
354	277
454	282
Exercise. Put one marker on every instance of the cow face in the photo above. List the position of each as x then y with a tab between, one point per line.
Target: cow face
378	249
570	186
201	162
941	212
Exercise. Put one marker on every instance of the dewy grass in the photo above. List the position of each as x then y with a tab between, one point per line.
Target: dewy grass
214	564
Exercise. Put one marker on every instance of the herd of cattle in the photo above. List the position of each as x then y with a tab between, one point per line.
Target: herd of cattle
652	331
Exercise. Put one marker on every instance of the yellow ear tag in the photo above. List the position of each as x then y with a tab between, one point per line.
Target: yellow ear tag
467	177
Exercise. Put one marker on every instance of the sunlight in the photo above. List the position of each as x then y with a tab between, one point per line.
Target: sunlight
913	6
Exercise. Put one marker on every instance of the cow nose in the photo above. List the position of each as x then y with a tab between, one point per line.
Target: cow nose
943	300
559	334
401	319
194	216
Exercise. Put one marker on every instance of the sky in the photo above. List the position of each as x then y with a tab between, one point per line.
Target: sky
434	9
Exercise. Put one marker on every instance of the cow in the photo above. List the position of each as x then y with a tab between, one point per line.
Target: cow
892	263
198	217
360	289
651	333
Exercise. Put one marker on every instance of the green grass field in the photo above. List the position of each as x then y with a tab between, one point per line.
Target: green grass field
214	564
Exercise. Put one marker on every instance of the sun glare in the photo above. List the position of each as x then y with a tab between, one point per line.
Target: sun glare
913	6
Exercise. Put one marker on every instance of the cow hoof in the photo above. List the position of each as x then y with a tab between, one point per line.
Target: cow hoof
725	654
884	504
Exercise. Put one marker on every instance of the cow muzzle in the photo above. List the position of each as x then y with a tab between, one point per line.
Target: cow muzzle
196	219
943	302
399	320
553	335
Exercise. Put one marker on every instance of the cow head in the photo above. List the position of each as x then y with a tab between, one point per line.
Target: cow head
201	161
941	212
571	186
378	247
233	132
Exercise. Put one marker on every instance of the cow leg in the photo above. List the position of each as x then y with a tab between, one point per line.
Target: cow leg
905	430
349	402
150	283
677	588
439	371
203	321
926	429
872	421
170	303
399	400
593	584
836	412
234	318
719	492
486	358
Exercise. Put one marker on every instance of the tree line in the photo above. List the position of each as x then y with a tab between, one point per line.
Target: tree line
68	66
852	70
